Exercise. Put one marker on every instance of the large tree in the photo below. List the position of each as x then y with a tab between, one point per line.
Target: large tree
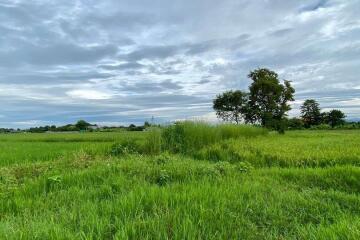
230	106
310	113
269	99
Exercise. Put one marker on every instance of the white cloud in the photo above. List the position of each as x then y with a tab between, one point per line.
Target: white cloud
89	94
351	102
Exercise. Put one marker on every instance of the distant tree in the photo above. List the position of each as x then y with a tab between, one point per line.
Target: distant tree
310	113
295	123
269	99
324	117
335	118
231	106
147	124
82	125
133	127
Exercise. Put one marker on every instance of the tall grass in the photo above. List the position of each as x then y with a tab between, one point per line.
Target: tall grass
187	137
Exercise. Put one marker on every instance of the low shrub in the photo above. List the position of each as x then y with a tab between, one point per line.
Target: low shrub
124	148
163	178
321	127
163	159
52	182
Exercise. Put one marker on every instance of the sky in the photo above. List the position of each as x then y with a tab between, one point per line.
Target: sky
120	62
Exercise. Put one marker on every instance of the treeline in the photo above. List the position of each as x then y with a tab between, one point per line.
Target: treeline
313	118
81	126
267	103
298	124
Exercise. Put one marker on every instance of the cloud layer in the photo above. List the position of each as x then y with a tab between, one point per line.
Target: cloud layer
126	61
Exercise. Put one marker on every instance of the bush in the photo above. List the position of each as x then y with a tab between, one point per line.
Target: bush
163	178
321	127
295	124
124	148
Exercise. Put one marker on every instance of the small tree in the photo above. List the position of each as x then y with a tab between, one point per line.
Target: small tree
335	118
310	113
231	106
147	124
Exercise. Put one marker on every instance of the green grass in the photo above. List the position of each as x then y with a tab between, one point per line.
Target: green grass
294	149
33	147
301	185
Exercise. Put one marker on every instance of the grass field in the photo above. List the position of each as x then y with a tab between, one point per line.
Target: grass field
207	183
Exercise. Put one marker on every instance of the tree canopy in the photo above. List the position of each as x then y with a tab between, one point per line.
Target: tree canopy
231	106
310	113
268	99
266	103
335	118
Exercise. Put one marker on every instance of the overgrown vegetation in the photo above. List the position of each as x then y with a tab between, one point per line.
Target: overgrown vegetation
185	138
188	137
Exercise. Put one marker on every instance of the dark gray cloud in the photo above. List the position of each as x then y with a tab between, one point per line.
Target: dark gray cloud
51	78
146	87
126	61
56	54
314	6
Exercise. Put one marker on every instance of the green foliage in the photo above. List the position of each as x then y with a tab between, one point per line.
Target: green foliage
335	118
125	147
349	125
163	178
82	125
266	103
231	106
311	116
310	113
268	100
295	124
52	182
321	127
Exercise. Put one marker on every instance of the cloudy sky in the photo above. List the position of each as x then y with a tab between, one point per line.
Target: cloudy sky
113	62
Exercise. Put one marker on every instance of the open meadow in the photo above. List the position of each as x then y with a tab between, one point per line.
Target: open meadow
189	181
